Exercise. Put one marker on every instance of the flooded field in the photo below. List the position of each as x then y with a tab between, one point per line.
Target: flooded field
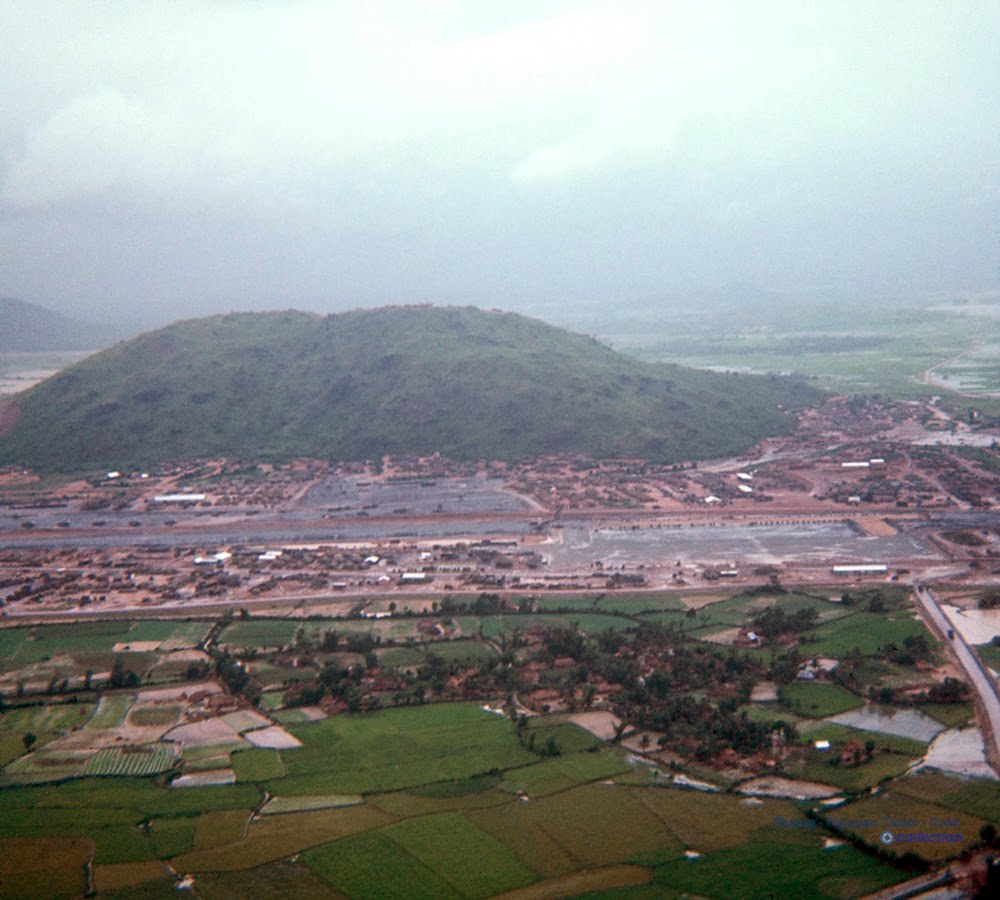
977	626
962	752
909	723
817	542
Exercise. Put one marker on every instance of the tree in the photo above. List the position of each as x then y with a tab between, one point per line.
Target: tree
29	740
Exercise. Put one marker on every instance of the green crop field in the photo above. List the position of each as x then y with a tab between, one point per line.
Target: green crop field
867	632
257	765
568	738
150	759
348	866
763	871
281	805
818	701
472	861
111	710
562	772
259	633
398	748
154	715
589	623
818	767
51	719
591	825
903	815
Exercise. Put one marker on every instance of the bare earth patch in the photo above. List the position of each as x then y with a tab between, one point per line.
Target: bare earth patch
786	787
600	724
136	647
203	734
764	692
273	738
725	636
205	779
179	693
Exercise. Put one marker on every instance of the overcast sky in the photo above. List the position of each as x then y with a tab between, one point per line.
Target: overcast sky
165	159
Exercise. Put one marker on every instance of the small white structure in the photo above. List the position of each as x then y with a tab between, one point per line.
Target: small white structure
711	498
745	488
855	465
179	498
744	476
372	560
871	569
822	745
413	577
112	475
269	555
214	559
877	461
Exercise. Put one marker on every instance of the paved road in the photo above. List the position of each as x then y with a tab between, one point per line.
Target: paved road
980	680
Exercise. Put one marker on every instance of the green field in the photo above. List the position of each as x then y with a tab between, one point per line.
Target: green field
589	623
150	759
111	710
817	701
472	861
398	748
349	864
259	633
763	871
864	631
257	765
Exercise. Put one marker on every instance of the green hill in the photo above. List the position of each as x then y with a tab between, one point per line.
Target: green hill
402	380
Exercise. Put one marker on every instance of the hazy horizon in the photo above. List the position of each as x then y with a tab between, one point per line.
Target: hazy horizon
165	161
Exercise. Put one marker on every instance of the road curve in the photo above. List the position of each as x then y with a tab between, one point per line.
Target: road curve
979	679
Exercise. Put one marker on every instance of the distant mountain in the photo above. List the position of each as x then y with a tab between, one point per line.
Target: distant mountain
464	382
26	327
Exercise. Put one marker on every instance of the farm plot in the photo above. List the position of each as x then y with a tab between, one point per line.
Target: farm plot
149	759
399	748
259	633
592	825
763	870
818	701
111	711
908	818
563	772
978	797
589	623
472	861
44	866
908	723
348	866
44	642
708	822
258	765
867	632
879	768
271	838
282	805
